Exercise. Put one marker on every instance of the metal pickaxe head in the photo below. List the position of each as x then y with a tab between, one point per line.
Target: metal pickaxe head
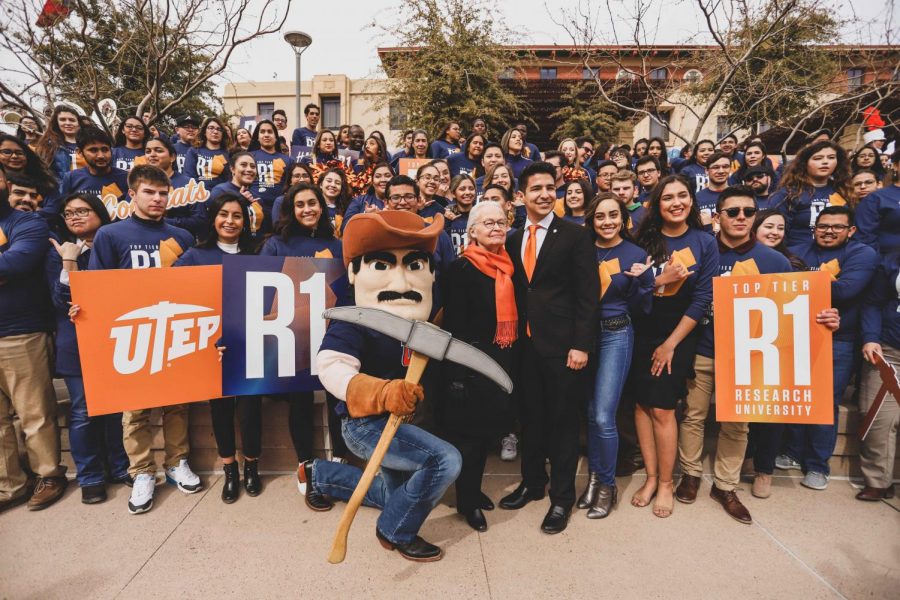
424	338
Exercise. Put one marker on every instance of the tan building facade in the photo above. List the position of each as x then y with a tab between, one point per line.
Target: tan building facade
342	100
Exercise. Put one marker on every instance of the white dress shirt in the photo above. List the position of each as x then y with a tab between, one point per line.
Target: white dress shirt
541	233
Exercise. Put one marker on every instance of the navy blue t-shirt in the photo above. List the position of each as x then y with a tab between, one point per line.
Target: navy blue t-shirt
623	294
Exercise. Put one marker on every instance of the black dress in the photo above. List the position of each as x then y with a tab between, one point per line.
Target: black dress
473	411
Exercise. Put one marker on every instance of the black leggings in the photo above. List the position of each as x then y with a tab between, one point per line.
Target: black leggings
300	423
249	410
338	446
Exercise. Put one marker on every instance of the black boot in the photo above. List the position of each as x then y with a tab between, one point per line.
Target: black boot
231	489
590	492
252	482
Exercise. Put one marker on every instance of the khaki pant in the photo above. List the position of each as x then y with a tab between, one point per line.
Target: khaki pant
878	450
138	438
732	442
26	390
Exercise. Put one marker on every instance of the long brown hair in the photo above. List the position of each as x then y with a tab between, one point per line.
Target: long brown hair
591	210
649	235
53	137
796	179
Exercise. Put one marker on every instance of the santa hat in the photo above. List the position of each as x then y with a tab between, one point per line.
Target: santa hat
389	230
873	136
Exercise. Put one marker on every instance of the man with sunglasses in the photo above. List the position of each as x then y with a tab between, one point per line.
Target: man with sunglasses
739	254
759	179
718	169
851	265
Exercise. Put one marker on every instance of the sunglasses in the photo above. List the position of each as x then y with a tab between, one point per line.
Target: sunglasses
734	211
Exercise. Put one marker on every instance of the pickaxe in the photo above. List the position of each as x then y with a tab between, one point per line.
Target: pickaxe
425	341
889	385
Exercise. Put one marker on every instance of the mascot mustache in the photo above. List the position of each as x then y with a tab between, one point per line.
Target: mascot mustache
388	295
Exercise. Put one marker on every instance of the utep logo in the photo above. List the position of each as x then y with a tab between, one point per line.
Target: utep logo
155	335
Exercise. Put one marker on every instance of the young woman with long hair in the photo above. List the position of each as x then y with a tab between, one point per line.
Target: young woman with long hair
684	261
128	143
18	159
468	162
208	160
56	146
818	177
271	168
515	151
336	192
462	193
577	195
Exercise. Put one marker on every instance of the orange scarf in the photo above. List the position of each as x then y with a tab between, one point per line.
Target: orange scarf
498	267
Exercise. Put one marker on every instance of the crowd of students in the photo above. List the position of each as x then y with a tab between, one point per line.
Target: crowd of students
659	229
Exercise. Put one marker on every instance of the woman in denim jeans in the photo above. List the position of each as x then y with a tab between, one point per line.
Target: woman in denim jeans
96	442
626	286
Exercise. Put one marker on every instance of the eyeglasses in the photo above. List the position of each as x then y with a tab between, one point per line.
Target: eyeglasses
404	198
7	152
863	183
77	212
280	120
429	178
499	224
647	172
734	211
134	127
834	228
213	128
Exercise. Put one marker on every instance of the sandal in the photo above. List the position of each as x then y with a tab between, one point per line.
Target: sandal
640	502
660	510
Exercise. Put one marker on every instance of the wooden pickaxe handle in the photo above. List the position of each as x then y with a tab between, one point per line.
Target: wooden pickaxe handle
417	364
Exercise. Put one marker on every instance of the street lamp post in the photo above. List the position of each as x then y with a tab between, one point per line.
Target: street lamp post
299	41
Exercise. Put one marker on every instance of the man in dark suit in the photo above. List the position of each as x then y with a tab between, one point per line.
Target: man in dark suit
557	287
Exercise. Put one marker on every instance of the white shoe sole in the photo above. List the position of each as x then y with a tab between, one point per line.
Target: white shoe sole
137	510
183	488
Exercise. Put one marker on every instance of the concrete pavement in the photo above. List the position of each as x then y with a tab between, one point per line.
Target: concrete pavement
802	544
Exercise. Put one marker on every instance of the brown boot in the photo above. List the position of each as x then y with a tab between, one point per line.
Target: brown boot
687	489
47	491
873	494
731	504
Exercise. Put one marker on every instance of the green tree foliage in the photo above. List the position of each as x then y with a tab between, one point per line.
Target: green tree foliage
448	64
785	75
586	114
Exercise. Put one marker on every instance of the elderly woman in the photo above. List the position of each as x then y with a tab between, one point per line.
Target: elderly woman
480	309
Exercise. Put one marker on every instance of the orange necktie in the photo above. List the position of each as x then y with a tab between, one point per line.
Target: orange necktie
530	259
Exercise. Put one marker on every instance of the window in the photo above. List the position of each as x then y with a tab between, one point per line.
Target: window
264	110
331	112
763	127
854	78
660	74
659	127
693	76
507	73
723	127
397	115
625	74
590	73
548	72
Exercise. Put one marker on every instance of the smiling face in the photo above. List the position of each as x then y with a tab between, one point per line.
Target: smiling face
728	145
771	231
398	281
753	156
704	151
68	124
539	196
675	204
428	178
719	171
465	194
25	199
833	231
12	156
229	222
356	137
402	197
244	171
608	220
489	231
327	143
134	131
503	177
654	149
307	209
380	178
575	198
331	186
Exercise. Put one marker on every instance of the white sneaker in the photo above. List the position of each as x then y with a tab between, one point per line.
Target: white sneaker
182	476
142	494
509	447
